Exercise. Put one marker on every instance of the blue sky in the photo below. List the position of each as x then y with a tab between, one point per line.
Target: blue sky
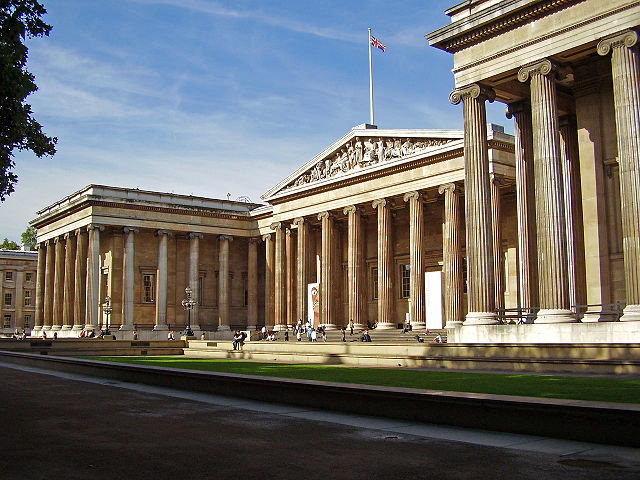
209	97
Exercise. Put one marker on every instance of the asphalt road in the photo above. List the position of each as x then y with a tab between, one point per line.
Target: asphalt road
59	428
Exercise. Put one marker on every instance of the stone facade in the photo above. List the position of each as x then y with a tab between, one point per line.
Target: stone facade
17	290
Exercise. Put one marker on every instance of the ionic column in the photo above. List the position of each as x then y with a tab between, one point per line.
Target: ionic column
69	281
80	283
553	274
568	154
525	206
386	311
289	284
40	282
452	256
224	293
280	306
498	254
327	297
48	285
162	281
58	285
128	280
355	264
252	284
626	95
93	277
302	269
268	281
194	274
480	279
416	262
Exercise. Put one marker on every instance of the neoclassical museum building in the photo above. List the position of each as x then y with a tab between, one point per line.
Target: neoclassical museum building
465	229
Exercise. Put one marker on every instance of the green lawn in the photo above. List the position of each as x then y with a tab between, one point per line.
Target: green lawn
625	390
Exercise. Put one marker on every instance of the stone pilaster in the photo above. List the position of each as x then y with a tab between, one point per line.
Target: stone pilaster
355	266
452	256
42	260
69	281
550	212
128	279
625	65
525	207
290	292
480	279
225	290
80	283
416	261
194	275
280	306
303	269
252	284
162	280
58	285
269	303
386	304
93	277
327	297
498	254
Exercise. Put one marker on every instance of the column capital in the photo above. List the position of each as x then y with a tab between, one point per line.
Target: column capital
266	236
298	221
225	237
162	232
626	38
131	230
351	209
411	196
323	215
512	109
254	240
58	239
95	226
191	235
448	188
288	232
542	67
475	90
68	235
38	246
79	231
276	226
382	202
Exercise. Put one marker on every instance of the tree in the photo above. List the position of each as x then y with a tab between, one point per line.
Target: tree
7	245
19	20
29	236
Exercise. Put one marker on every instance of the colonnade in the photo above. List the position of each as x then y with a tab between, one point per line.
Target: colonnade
70	295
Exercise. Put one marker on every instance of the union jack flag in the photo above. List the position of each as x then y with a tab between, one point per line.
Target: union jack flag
376	43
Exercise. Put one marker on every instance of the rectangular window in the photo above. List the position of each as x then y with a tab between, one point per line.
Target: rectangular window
149	285
7	321
8	276
8	299
27	298
200	290
374	282
406	282
28	277
27	321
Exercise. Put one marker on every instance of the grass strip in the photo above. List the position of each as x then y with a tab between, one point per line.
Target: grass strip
605	389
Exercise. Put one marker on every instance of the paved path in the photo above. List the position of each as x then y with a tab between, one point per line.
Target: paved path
62	426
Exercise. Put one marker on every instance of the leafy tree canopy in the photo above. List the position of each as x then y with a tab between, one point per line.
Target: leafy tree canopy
29	236
19	20
7	245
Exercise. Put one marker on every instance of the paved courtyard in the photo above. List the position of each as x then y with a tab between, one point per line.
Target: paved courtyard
60	426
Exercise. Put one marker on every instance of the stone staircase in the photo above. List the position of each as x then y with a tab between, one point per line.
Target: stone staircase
378	336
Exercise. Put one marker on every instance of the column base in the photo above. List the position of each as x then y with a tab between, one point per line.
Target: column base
453	324
386	326
597	316
279	328
56	328
46	328
37	328
77	328
126	328
481	318
418	326
88	327
224	328
329	326
160	328
631	313
555	316
67	327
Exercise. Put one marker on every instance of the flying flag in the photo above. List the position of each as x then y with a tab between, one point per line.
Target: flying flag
376	43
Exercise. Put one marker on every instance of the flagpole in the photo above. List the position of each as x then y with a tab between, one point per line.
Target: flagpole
370	83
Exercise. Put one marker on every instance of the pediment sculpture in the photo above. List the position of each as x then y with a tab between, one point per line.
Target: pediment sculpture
362	152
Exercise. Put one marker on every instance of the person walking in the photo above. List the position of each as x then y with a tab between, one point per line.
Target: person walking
344	333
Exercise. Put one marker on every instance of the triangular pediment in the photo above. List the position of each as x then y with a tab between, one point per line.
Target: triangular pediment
361	150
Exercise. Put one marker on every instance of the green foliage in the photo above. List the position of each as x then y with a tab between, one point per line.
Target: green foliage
19	19
7	245
29	236
624	390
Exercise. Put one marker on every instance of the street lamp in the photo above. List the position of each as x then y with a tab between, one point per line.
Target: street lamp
188	304
107	308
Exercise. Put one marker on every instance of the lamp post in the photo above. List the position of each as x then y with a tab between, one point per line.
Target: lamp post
188	304
107	308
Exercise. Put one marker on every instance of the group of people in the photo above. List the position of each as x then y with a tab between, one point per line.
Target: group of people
19	335
238	339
